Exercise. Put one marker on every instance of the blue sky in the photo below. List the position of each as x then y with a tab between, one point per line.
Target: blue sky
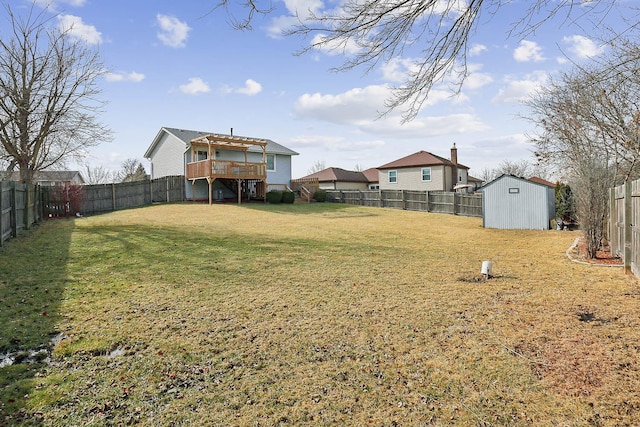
181	64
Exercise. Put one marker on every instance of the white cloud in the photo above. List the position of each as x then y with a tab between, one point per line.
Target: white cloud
334	143
74	26
396	69
173	32
361	108
251	87
334	47
517	90
351	107
582	47
528	51
477	49
195	86
476	79
125	77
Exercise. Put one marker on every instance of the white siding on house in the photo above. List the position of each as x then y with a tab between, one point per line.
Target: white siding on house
411	179
517	204
163	157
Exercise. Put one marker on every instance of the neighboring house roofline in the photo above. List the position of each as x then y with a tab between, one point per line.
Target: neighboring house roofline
542	181
338	175
372	175
45	176
421	158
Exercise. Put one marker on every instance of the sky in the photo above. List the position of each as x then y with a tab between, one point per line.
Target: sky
183	65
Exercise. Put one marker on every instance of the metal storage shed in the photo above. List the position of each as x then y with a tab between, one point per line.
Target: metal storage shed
513	203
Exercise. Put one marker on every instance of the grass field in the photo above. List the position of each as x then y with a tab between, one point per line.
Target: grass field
319	314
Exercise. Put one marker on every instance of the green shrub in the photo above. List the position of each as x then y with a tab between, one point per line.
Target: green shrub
320	196
274	196
288	196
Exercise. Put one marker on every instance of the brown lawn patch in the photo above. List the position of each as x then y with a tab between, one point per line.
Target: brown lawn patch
315	314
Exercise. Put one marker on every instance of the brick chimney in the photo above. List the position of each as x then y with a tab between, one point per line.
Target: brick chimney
454	169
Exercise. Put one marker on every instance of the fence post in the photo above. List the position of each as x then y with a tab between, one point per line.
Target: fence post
14	210
25	218
627	227
113	196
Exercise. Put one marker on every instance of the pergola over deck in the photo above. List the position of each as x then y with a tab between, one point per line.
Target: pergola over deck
213	168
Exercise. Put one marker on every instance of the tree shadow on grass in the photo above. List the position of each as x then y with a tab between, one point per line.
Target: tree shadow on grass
32	282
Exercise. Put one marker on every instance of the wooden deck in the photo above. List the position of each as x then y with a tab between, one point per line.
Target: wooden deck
213	169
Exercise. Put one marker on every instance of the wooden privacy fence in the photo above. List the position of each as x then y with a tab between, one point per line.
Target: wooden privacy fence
424	201
624	225
20	208
99	198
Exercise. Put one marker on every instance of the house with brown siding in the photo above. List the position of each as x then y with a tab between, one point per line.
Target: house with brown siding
423	171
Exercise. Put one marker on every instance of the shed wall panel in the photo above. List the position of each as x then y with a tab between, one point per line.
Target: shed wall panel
529	208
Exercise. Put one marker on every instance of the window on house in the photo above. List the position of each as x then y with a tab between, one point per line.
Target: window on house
201	155
271	162
393	176
426	174
514	190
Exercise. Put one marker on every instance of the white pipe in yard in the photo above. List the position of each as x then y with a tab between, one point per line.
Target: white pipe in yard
486	269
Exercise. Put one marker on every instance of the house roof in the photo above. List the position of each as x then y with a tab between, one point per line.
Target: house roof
542	181
371	174
338	174
44	176
421	158
473	179
186	136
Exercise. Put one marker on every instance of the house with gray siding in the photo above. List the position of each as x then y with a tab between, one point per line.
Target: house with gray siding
513	203
220	166
423	171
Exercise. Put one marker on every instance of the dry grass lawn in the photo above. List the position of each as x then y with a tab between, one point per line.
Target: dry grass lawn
318	314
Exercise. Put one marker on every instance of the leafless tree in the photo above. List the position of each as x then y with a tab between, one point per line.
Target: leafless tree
131	170
98	175
588	123
380	30
48	94
317	166
590	182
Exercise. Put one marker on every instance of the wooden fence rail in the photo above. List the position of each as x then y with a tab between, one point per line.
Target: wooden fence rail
424	201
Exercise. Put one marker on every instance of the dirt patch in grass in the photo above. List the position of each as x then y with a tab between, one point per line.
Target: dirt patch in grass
578	252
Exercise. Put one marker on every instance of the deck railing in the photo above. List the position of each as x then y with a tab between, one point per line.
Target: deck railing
226	169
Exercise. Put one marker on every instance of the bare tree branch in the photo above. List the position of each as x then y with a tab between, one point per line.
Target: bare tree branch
48	95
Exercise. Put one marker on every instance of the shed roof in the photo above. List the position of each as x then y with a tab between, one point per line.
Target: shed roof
421	158
503	176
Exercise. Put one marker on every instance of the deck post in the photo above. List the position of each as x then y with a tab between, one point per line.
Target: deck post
209	182
239	191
